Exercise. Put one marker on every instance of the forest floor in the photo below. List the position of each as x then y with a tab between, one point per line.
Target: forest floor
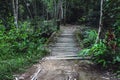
63	62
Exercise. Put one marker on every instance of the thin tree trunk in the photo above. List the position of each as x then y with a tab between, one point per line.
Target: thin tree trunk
43	12
35	7
65	8
15	12
60	10
28	9
61	6
100	22
55	10
34	4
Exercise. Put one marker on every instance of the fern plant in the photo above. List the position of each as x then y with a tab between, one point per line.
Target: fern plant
89	38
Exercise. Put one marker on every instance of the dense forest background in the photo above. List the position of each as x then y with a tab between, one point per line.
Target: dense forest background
25	26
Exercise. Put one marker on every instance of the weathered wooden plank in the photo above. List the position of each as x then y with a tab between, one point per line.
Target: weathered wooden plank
67	58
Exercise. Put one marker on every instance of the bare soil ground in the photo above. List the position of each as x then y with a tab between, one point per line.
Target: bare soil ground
67	70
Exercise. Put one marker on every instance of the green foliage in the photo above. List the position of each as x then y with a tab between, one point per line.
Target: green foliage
111	19
117	32
111	13
89	37
104	56
21	47
101	56
84	52
102	53
47	28
74	11
93	18
92	34
82	20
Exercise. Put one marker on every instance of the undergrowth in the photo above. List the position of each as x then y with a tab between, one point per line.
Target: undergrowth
21	47
105	53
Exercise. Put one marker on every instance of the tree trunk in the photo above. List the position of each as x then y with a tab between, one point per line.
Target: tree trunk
64	13
55	10
28	9
100	22
35	8
15	12
34	5
61	6
17	9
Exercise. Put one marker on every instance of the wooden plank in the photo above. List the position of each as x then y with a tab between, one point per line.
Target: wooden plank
68	58
34	77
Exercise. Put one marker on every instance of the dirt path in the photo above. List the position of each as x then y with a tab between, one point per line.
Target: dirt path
64	64
71	70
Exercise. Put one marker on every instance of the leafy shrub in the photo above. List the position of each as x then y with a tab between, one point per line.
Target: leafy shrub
84	52
104	56
82	20
87	37
102	53
117	32
47	28
20	47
